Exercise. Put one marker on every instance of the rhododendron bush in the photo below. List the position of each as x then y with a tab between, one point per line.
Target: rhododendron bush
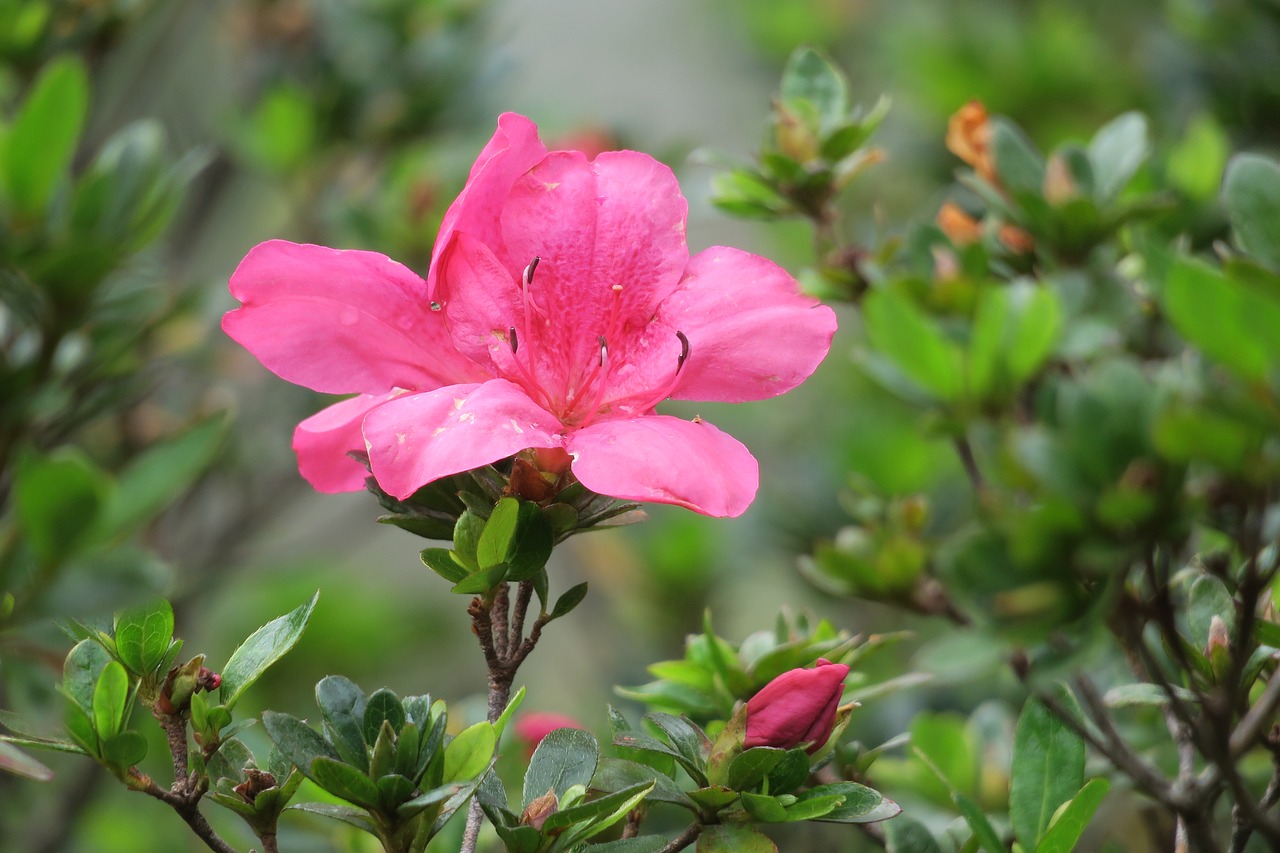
1017	432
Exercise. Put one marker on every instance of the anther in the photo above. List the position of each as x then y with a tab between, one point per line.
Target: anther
684	351
527	275
604	349
436	306
513	339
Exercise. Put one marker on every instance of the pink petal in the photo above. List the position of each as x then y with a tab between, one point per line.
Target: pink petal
512	151
323	441
419	438
752	334
483	300
617	220
341	321
666	460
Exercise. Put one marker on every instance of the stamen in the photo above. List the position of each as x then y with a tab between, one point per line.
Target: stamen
604	349
513	339
527	275
684	351
665	392
436	306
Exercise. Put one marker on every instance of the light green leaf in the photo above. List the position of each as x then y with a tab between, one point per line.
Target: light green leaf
1070	821
264	647
1236	325
495	541
1048	768
43	138
1251	194
58	498
109	700
143	635
1115	152
982	830
468	754
898	330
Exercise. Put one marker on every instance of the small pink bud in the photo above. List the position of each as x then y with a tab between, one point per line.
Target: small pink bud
797	707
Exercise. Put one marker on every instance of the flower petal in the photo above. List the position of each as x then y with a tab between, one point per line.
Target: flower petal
341	322
616	221
323	441
419	438
513	150
666	460
752	334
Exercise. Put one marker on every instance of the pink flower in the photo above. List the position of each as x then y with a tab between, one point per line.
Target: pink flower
560	307
797	707
533	727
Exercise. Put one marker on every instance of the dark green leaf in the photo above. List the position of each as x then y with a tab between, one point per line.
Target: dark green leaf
382	706
343	780
748	770
982	830
564	758
1019	166
343	705
1048	768
689	741
58	498
569	600
297	742
790	772
394	790
466	538
642	844
230	761
907	835
596	815
346	814
615	775
531	543
264	647
861	804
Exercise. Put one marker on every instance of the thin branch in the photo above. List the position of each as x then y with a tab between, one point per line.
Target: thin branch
1260	716
684	839
965	451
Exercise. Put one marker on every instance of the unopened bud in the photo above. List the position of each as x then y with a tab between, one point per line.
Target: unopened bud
537	812
794	139
960	228
1059	187
1218	648
182	681
969	138
255	782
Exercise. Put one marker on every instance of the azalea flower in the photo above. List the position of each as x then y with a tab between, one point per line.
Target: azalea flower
798	707
561	306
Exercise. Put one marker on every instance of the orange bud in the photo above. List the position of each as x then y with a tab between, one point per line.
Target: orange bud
1015	239
538	810
960	228
969	138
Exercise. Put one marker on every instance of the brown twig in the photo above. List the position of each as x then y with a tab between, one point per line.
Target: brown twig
684	839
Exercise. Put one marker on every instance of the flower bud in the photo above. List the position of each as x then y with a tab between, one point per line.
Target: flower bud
539	809
969	138
798	707
532	728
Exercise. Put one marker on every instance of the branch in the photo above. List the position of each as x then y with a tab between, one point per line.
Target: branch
684	839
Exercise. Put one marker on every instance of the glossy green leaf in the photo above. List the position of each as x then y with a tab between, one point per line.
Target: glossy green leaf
750	767
571	598
1251	195
466	538
382	706
531	543
732	838
143	635
564	758
495	540
264	647
110	698
342	704
297	742
339	812
45	134
861	804
1048	768
763	807
1070	822
468	754
616	774
689	741
441	561
481	581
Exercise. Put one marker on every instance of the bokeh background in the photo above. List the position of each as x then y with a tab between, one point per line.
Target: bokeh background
352	124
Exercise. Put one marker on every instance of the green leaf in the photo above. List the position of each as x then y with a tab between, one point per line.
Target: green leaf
345	781
343	705
43	138
531	543
1070	821
383	706
907	835
58	498
571	598
495	540
1267	633
297	742
749	768
442	562
143	635
1251	195
861	804
1015	329
897	329
1195	164
124	749
688	740
1115	152
593	816
616	774
730	838
264	647
763	807
641	844
564	758
1018	165
809	78
948	745
1231	323
481	581
790	772
1048	768
110	697
81	670
339	812
1142	694
14	760
468	754
466	538
982	830
1209	598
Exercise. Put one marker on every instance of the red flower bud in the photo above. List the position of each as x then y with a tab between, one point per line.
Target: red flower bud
532	728
797	707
